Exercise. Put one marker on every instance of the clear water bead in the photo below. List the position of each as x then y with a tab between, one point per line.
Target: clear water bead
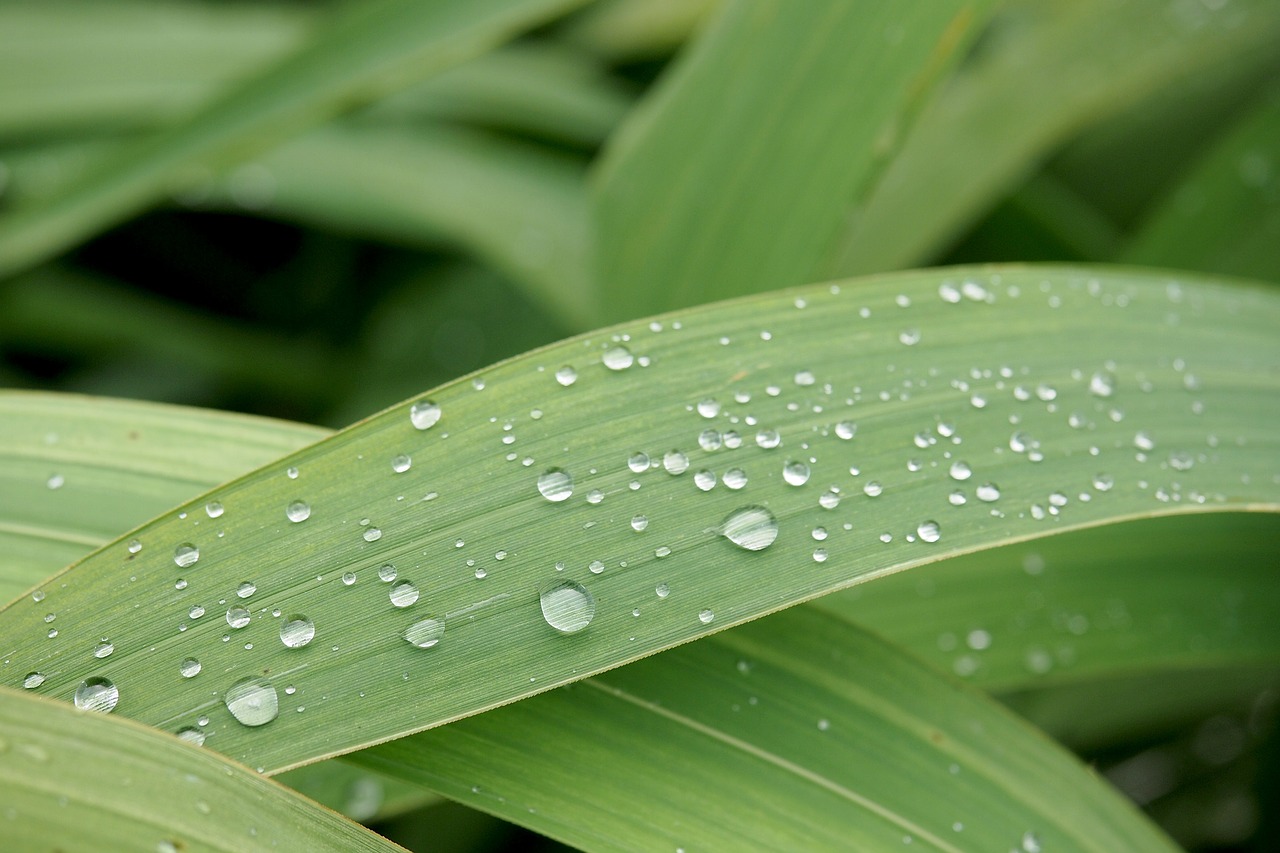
252	701
555	484
401	463
297	631
238	617
960	471
796	473
298	511
988	492
189	668
735	478
32	680
639	523
186	555
387	573
568	606
928	531
846	430
372	534
403	594
705	480
424	414
706	617
213	509
566	376
1102	384
97	694
424	633
103	649
662	590
675	462
753	528
638	462
617	358
768	438
246	589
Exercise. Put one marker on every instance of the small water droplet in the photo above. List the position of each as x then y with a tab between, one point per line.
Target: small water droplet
662	590
403	594
708	407
103	649
960	470
186	555
909	337
705	480
252	701
706	617
372	534
191	735
555	484
297	631
928	531
348	578
638	462
753	528
424	414
387	573
189	668
661	551
710	439
675	462
56	481
872	488
97	694
424	633
401	463
988	492
32	680
804	378
566	376
291	473
134	546
196	611
213	509
796	473
1143	441
595	496
595	567
735	478
238	617
639	523
1102	384
819	555
768	438
617	358
298	511
246	589
568	606
846	430
829	500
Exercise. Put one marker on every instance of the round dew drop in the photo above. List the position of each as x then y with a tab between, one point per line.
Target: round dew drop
246	589
189	668
928	531
401	463
424	633
238	617
97	694
568	606
706	617
555	484
675	462
638	462
960	470
795	473
403	594
617	358
298	511
186	555
988	492
387	573
752	528
103	649
566	376
252	701
424	414
297	631
32	680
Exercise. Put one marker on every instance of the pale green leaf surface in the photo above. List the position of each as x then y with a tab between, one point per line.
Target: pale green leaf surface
1187	428
1225	215
74	780
1046	70
802	733
368	52
734	174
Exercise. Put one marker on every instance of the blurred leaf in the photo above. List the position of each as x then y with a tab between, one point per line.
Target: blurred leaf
631	30
360	794
370	50
1166	425
734	175
1225	215
71	780
1045	70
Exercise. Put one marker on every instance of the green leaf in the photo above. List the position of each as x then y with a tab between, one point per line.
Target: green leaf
1225	215
1172	425
72	780
1045	70
733	177
369	51
801	733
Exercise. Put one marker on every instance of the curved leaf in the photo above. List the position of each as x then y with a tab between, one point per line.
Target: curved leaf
930	366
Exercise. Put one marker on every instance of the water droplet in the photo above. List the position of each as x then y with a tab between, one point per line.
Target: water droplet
196	611
191	735
403	594
706	617
387	573
424	414
961	470
566	376
928	531
829	500
751	527
595	567
401	463
819	555
291	473
1143	441
32	680
348	578
662	590
708	408
705	480
638	462
988	492
186	555
568	606
56	481
555	484
189	668
103	649
297	631
372	534
238	617
768	438
872	488
97	694
213	509
298	511
909	337
675	462
1102	384
425	633
595	496
617	358
252	701
846	430
134	546
735	478
246	589
1030	842
639	523
956	498
804	378
796	473
661	551
710	439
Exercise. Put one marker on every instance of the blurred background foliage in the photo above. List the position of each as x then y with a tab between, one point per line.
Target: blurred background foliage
330	255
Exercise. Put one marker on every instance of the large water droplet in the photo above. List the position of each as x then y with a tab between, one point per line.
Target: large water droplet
928	531
424	414
401	463
961	470
735	478
555	484
751	527
246	589
639	523
846	430
97	694
705	480
988	492
252	701
297	631
387	573
298	511
796	473
568	606
872	489
617	358
403	594
213	509
32	680
675	462
372	534
768	438
238	617
638	462
566	376
1143	441
186	555
424	633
